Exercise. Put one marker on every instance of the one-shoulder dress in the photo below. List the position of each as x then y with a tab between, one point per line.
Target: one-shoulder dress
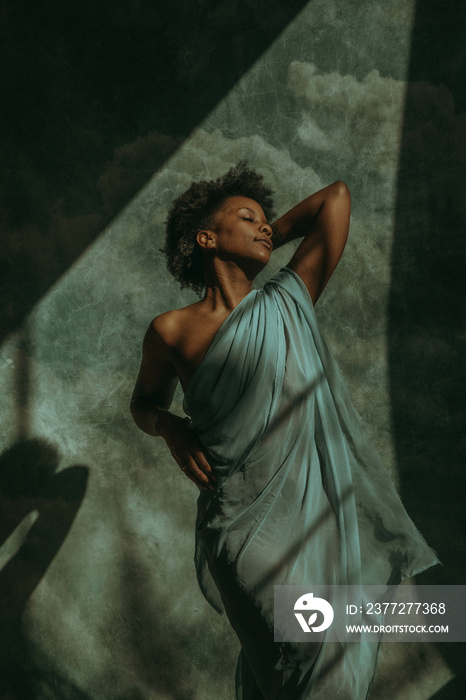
302	497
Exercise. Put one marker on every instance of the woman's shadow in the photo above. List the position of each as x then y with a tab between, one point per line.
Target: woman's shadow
30	483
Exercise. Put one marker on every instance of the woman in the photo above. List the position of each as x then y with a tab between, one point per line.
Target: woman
290	489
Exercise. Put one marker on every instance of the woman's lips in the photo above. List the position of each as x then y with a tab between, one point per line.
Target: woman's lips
266	242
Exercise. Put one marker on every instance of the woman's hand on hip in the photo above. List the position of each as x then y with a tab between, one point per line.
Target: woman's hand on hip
187	451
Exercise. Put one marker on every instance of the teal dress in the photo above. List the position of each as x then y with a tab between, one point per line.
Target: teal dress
302	496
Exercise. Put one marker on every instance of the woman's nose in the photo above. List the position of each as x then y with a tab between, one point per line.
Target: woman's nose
265	228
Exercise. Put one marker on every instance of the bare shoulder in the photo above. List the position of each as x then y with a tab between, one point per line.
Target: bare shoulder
169	327
165	325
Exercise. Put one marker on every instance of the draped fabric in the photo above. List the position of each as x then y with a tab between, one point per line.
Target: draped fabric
301	497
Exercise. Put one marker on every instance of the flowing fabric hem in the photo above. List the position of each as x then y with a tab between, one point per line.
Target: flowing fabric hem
377	653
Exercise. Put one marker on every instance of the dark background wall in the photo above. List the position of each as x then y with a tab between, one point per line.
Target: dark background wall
427	308
109	110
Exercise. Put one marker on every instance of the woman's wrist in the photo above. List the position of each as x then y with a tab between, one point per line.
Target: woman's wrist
278	239
165	423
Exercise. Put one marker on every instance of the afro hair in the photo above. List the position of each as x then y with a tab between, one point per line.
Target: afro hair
195	210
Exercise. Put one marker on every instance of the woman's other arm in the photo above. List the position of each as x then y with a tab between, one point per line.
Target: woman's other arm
323	220
152	397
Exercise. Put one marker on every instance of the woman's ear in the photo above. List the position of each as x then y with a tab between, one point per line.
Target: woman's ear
206	239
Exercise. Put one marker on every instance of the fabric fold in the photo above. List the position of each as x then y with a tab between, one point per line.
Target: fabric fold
301	498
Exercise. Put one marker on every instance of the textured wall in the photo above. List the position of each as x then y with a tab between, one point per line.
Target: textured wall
99	593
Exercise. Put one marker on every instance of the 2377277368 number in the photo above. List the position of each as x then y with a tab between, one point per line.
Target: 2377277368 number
405	608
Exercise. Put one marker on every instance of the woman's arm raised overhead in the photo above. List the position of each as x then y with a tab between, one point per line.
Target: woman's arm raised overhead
323	219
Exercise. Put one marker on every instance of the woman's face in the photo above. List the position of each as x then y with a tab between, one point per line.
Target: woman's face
241	232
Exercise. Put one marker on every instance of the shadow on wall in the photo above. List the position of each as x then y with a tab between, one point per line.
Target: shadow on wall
428	299
95	98
29	483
